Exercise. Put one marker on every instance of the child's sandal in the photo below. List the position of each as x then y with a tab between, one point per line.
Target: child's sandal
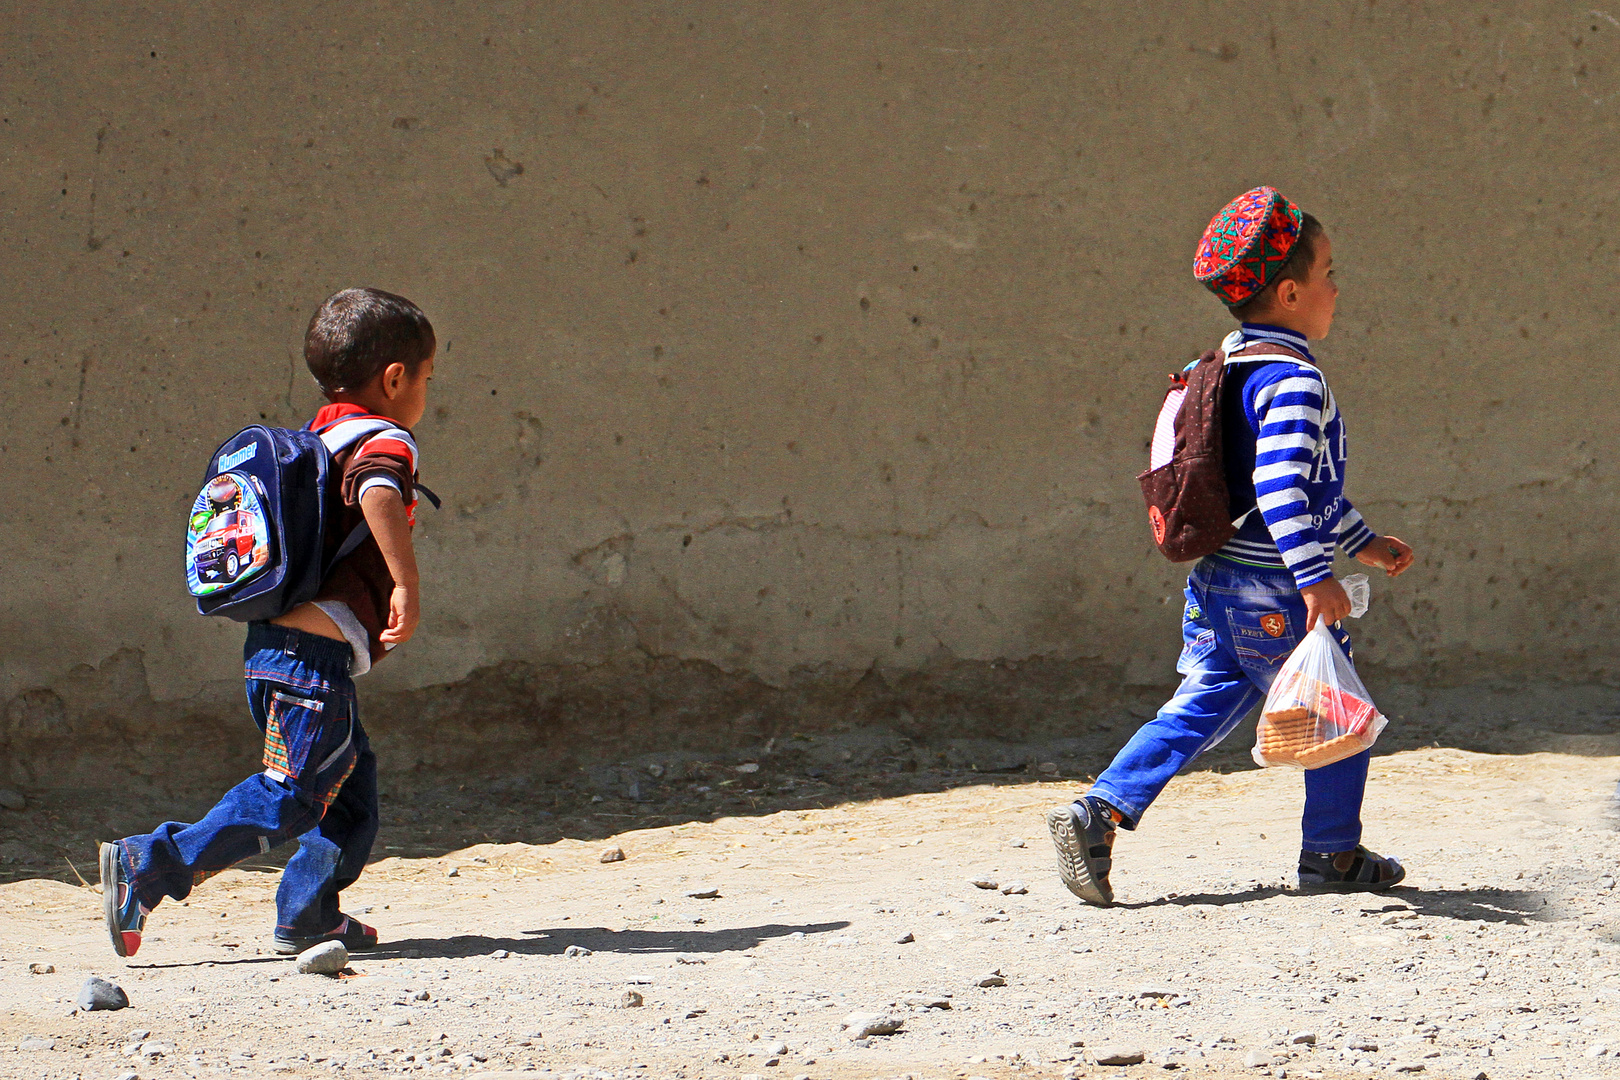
1360	870
354	934
1083	832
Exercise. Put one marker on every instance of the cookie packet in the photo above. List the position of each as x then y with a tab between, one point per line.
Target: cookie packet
1318	711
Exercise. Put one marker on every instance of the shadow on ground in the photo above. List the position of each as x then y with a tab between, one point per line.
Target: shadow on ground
1517	906
552	941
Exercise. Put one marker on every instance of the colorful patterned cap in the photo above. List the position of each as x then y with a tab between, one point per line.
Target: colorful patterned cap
1246	244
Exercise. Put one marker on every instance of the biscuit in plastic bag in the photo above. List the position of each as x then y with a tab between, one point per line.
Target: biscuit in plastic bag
1318	711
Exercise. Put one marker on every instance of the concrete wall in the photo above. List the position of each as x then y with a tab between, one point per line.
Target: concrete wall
786	344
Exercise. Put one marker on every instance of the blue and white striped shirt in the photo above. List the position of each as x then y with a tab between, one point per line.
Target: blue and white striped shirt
1286	453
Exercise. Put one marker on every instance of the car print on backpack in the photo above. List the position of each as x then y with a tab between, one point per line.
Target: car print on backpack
227	540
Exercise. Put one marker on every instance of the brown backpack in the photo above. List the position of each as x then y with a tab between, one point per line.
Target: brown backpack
1188	504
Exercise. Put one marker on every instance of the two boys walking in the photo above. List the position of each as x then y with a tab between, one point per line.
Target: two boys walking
1248	604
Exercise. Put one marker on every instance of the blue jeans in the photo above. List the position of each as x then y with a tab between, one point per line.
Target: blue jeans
1240	624
319	785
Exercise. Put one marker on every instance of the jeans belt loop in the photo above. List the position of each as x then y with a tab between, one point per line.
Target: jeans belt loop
290	647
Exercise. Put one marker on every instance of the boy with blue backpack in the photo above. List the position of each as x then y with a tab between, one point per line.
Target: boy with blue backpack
305	536
1247	475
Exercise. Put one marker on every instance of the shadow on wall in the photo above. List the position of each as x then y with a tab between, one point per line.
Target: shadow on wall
100	728
551	722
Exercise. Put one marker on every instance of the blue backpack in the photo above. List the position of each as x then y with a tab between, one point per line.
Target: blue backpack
257	533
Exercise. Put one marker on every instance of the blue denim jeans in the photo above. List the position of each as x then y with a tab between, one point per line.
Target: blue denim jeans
319	786
1240	624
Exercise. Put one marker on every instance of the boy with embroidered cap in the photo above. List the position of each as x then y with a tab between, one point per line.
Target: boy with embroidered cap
372	355
1251	602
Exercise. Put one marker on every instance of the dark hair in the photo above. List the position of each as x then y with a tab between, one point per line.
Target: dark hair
1297	267
357	333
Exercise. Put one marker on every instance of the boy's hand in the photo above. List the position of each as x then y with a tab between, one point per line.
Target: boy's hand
1326	600
391	526
1390	554
404	612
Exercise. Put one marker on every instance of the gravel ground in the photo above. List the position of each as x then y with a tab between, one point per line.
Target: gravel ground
1499	956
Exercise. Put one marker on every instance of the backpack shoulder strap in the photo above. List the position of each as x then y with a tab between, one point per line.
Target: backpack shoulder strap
356	537
346	431
1256	352
337	435
1262	349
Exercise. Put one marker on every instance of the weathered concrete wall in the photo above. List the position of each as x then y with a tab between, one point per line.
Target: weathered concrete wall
784	343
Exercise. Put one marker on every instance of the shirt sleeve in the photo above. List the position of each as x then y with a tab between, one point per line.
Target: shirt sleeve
1353	531
1290	414
386	459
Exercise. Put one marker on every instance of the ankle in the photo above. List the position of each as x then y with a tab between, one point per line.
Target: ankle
1109	812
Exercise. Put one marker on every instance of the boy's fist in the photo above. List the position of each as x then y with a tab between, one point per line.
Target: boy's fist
1390	554
404	612
1326	600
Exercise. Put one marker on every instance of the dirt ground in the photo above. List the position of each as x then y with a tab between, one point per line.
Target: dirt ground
1499	956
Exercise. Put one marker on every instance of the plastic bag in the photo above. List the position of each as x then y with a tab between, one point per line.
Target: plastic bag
1318	711
1359	590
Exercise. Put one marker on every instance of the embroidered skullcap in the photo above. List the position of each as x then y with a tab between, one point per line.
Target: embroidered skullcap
1246	244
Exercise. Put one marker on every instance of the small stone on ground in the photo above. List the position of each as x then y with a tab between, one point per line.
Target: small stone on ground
860	1025
327	958
97	994
929	1001
1117	1054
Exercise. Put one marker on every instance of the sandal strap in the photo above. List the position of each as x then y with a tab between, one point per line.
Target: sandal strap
1364	867
1370	867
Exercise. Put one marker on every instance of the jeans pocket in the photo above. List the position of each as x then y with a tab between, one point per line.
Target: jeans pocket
1262	638
291	727
1197	645
1197	634
338	757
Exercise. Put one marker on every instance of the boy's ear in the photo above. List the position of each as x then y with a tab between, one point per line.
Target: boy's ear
1287	294
393	377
